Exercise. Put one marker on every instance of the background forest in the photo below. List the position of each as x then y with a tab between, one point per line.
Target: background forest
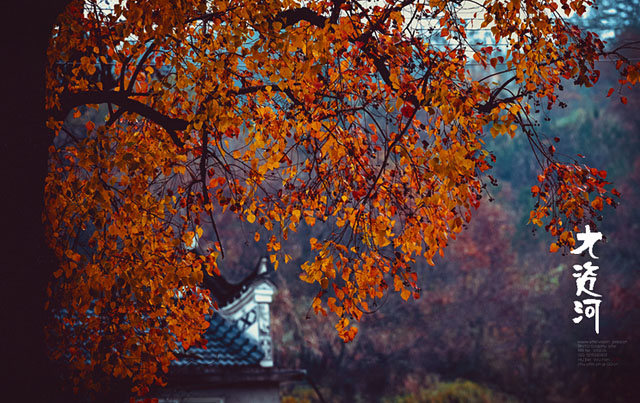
493	322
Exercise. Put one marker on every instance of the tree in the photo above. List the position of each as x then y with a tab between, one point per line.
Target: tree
369	117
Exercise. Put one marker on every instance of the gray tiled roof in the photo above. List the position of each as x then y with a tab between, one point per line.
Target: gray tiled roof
227	346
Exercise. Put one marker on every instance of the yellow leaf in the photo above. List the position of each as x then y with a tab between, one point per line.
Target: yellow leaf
295	216
405	294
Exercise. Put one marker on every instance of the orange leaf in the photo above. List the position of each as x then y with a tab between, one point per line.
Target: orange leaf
597	203
405	294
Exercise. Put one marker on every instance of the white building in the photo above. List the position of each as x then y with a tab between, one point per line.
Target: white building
238	365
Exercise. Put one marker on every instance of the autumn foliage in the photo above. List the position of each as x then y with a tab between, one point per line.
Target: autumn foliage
370	116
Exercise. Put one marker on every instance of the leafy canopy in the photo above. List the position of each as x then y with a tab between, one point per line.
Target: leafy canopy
368	116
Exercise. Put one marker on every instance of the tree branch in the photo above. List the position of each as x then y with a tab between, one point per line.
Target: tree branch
205	189
140	65
292	17
171	125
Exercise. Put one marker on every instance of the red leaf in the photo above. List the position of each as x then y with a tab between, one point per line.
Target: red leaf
407	111
610	92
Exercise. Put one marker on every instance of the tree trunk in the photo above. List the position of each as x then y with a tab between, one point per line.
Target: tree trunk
26	262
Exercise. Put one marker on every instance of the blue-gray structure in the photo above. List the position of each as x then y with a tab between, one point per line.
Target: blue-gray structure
227	346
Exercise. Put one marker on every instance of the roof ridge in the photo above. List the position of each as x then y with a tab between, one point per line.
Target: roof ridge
224	292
